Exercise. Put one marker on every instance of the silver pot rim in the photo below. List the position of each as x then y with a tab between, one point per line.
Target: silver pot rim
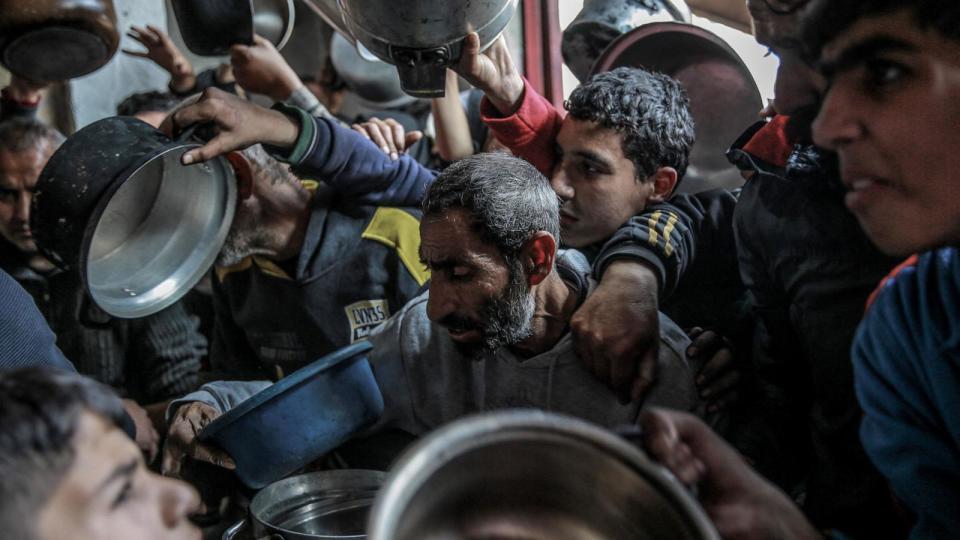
415	467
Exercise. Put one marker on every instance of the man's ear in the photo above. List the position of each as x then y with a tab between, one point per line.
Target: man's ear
538	255
664	180
244	172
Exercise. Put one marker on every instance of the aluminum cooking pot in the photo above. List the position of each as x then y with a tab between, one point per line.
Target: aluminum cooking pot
724	98
331	505
55	40
532	475
115	203
423	37
210	27
602	21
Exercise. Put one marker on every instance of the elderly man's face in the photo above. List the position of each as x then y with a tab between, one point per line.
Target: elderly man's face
891	114
109	493
597	182
19	172
474	292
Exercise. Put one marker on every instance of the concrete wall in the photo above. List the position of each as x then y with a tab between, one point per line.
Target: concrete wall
95	96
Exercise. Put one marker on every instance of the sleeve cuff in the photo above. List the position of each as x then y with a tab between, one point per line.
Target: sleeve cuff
306	140
303	98
634	253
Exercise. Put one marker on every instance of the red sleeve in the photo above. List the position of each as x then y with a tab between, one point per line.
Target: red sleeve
530	132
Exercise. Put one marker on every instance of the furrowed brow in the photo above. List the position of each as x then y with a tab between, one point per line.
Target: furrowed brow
856	54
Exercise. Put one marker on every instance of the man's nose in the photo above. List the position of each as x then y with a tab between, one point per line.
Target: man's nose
440	303
560	182
178	499
23	207
837	124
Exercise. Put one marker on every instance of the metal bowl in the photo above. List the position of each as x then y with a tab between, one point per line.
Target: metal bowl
325	505
532	475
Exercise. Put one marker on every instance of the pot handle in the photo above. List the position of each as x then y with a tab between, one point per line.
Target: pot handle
199	132
234	530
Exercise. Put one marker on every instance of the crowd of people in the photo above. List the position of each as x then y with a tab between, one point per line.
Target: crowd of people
787	348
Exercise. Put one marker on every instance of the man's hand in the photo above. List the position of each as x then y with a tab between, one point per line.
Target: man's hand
388	135
182	439
239	124
162	51
148	440
492	71
616	331
260	69
741	504
719	379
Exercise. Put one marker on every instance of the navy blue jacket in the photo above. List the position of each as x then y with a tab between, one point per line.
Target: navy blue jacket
25	338
907	375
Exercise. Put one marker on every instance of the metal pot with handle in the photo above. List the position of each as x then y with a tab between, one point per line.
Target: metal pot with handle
56	40
211	27
537	476
423	37
328	505
115	203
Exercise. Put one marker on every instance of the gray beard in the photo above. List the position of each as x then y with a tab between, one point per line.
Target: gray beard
508	318
244	240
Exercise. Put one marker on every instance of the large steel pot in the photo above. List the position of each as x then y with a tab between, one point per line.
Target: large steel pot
532	475
724	98
373	81
423	37
115	203
55	40
328	505
602	21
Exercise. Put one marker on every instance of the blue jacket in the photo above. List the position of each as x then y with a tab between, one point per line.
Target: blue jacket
358	265
907	374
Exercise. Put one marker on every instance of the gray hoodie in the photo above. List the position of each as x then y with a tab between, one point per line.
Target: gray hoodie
426	381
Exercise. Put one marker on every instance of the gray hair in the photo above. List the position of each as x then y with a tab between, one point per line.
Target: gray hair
40	410
267	167
23	134
508	198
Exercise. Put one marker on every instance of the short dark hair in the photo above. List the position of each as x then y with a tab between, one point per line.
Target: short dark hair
830	18
651	111
22	134
508	198
147	102
39	413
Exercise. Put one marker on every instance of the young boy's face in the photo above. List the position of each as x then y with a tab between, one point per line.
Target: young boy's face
892	113
109	493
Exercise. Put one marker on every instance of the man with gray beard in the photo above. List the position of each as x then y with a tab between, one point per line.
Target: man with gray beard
493	330
305	270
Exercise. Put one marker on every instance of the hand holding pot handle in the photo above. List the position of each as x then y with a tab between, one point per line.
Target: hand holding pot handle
182	442
238	124
740	502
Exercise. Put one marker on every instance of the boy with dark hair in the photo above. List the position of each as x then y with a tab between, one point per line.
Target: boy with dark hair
69	472
890	113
